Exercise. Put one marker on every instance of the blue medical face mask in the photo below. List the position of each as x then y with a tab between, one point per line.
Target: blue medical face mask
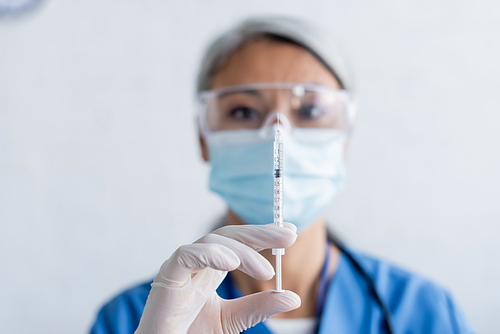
242	173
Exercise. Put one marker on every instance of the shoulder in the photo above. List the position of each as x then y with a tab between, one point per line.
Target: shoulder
123	312
395	283
414	301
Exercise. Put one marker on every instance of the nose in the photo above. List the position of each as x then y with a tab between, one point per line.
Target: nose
284	102
276	114
275	117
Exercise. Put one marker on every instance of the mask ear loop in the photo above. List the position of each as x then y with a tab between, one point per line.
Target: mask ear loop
267	125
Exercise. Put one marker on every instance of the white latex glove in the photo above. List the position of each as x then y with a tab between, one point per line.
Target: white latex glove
183	297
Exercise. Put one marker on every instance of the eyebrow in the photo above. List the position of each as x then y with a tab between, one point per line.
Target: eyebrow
253	92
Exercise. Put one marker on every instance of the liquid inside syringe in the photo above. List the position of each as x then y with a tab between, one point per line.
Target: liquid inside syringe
278	200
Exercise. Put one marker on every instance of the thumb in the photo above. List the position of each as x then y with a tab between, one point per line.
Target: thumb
245	312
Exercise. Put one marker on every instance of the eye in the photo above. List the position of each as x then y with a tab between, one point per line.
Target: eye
311	112
244	113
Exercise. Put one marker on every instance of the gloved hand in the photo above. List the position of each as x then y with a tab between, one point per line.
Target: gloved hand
183	297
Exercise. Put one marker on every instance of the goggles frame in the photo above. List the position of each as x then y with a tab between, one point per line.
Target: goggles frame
297	89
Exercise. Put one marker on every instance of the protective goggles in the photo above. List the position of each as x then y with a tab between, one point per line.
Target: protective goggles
254	106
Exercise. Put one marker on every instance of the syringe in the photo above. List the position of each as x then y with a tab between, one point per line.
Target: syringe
278	198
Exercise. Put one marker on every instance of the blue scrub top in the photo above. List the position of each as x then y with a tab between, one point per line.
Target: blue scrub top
416	305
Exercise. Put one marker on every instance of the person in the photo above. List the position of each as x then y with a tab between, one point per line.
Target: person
222	282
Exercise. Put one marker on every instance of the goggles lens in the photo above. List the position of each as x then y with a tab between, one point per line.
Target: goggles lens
248	107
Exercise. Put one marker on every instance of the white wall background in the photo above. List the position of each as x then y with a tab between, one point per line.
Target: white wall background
100	175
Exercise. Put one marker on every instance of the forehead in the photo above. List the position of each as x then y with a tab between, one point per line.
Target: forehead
265	60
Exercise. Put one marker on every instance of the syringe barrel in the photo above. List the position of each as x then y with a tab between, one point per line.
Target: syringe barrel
278	182
278	201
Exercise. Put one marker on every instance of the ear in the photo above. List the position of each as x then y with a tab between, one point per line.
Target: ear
203	147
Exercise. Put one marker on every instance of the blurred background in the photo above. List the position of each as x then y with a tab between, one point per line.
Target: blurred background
100	172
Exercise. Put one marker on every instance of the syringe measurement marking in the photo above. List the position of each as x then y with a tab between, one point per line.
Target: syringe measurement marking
278	200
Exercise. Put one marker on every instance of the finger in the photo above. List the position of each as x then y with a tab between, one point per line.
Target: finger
290	226
245	312
252	263
260	237
179	267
